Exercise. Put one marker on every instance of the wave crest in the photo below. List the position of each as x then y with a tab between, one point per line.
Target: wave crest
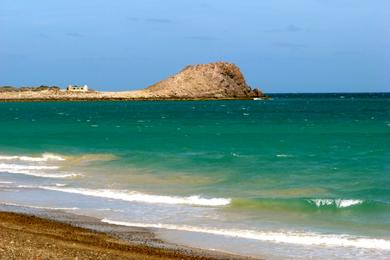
141	197
339	203
43	158
300	238
35	170
309	205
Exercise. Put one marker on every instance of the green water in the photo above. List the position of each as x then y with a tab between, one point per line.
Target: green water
316	161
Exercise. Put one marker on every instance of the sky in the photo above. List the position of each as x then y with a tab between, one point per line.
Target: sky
280	45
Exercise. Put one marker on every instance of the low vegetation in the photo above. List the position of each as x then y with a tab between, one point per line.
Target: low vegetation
39	88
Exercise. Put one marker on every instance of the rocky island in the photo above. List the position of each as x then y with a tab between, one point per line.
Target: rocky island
219	80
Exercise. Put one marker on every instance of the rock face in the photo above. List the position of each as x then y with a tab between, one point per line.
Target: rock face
214	80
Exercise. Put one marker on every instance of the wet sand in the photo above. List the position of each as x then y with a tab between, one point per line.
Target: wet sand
24	236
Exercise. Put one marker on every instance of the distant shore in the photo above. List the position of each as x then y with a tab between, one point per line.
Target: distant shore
116	99
136	95
69	236
213	81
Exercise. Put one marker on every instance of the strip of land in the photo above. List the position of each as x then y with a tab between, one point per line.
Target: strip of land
29	237
211	81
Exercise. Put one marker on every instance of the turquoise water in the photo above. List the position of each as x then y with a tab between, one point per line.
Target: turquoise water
317	164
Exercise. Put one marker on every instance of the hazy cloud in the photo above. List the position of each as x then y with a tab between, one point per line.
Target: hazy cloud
293	28
43	35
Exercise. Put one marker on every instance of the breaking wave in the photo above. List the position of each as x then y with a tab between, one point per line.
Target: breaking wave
49	175
36	171
38	166
308	205
134	196
338	203
299	238
16	167
43	158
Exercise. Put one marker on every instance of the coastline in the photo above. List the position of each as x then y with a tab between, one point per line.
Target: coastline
136	95
118	99
48	234
213	81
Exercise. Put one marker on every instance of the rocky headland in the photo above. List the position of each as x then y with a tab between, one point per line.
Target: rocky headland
218	80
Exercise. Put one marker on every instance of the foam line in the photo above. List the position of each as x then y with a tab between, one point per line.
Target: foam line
134	196
303	238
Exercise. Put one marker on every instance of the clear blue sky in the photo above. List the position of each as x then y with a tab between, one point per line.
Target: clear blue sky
280	45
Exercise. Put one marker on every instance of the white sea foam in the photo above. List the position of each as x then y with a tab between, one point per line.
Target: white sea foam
7	158
43	158
339	203
283	155
235	155
60	184
133	196
43	174
110	209
35	170
5	166
300	238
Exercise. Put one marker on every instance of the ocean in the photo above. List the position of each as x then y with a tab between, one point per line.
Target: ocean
296	176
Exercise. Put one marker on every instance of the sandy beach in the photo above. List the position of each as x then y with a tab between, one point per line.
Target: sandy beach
31	236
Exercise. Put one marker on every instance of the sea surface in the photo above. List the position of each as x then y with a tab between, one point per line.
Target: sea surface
296	176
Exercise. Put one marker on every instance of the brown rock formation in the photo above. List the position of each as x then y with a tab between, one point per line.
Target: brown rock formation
214	80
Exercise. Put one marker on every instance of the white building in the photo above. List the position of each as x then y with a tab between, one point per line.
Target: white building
75	88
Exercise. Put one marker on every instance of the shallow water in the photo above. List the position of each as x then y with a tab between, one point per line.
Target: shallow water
307	172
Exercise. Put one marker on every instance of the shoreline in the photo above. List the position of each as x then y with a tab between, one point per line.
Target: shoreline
44	233
118	99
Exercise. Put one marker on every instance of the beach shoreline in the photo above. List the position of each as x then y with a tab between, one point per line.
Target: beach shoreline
48	234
